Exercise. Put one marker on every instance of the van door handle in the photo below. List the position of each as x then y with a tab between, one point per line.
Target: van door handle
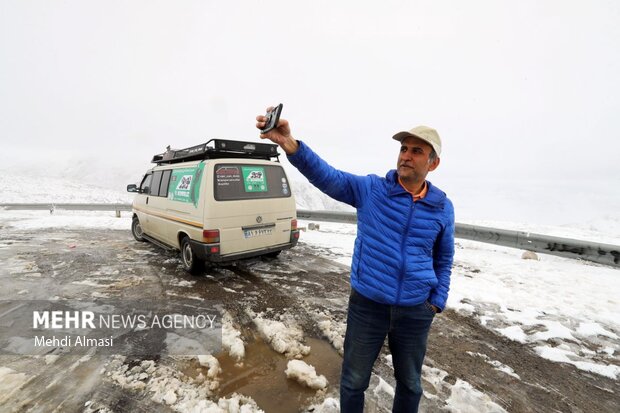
147	200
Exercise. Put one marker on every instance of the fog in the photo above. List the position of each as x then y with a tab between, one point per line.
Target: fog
522	93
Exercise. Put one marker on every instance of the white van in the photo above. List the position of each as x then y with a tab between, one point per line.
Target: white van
220	201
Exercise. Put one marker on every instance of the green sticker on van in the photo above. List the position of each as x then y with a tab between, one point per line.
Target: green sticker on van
254	178
185	184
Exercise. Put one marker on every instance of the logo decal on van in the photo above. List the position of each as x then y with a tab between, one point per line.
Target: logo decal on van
185	184
186	181
254	179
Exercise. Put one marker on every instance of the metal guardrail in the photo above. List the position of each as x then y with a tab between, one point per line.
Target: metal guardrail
564	247
607	254
69	206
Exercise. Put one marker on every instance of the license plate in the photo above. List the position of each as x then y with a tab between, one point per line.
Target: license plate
251	233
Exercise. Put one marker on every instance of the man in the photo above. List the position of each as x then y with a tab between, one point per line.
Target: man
400	272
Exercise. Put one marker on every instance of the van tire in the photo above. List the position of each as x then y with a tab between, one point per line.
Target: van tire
136	230
189	259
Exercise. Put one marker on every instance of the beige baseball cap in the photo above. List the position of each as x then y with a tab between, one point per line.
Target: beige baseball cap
425	133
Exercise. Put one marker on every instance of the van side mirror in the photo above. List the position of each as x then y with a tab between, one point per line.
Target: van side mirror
132	188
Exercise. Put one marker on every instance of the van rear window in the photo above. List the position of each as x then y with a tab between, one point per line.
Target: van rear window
248	181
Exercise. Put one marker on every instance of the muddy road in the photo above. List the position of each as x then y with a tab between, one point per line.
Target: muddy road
303	290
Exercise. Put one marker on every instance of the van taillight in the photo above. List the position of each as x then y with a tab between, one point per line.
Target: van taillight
211	235
293	225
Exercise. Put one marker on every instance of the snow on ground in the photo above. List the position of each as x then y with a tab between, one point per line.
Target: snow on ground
605	230
305	374
65	219
566	310
384	387
231	339
335	240
332	330
179	391
544	303
283	336
459	397
329	405
496	364
463	398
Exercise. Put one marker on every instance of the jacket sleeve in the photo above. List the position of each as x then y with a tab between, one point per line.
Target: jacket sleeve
342	186
443	255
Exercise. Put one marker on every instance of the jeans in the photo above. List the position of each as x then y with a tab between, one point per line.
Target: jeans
368	322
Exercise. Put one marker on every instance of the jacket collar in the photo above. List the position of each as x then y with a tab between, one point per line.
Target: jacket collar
434	197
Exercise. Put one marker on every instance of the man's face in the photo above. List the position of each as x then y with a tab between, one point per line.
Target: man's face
413	160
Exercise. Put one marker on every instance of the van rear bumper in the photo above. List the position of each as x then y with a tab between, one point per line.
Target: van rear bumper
204	251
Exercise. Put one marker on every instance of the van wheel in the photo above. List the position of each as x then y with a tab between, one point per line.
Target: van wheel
136	230
191	263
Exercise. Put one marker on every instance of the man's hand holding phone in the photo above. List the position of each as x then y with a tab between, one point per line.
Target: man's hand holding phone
276	129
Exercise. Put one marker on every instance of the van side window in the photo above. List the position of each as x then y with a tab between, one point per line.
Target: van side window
165	182
155	183
145	185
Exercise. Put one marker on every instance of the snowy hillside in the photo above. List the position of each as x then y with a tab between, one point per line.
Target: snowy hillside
308	197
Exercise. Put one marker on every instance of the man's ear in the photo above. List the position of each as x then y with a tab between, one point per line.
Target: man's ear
433	165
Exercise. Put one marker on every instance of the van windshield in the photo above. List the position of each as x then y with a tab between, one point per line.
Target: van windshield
248	181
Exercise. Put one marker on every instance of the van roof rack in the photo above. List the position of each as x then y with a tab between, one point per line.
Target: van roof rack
221	148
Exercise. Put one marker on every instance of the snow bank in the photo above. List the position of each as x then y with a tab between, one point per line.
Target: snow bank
285	338
305	374
231	340
331	329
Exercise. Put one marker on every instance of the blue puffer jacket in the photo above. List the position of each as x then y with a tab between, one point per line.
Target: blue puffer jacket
404	249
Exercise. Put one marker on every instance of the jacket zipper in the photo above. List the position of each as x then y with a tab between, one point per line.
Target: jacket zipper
403	264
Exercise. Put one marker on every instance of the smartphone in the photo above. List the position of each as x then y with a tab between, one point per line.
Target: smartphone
272	118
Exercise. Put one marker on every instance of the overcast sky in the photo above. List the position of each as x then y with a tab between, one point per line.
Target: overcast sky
515	88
